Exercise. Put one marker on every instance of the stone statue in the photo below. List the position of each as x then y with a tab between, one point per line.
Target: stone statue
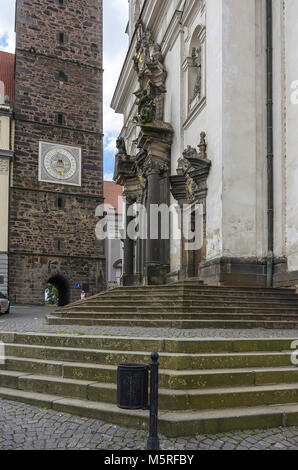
197	63
203	146
120	144
146	108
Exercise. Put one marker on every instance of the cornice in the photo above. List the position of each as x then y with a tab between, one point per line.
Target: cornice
172	32
190	7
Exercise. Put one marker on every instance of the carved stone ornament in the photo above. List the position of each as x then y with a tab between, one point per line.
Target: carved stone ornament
148	63
130	197
146	108
197	64
183	166
203	146
191	188
142	178
120	144
152	166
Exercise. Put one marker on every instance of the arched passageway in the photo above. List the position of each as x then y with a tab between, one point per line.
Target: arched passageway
62	286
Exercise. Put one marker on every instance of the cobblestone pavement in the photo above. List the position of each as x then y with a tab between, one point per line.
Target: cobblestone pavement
24	427
29	319
28	427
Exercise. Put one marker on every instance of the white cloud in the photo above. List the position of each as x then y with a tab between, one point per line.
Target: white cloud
108	177
110	143
7	19
115	48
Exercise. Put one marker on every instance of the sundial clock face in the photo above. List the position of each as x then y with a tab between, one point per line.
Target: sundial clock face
59	164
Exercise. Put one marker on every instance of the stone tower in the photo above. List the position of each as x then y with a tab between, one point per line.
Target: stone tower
57	180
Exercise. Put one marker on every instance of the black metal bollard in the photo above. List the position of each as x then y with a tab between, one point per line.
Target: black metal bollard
132	393
153	440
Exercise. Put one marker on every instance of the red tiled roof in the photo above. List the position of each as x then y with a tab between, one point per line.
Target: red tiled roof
112	193
7	74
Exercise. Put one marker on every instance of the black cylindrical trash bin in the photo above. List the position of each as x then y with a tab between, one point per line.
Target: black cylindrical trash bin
132	386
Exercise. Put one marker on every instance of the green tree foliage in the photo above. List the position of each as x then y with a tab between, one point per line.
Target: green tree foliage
52	295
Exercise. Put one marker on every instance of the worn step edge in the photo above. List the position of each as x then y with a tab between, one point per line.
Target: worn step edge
177	361
145	344
142	353
171	379
177	324
171	424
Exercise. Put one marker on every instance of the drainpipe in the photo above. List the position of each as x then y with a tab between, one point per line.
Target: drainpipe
270	248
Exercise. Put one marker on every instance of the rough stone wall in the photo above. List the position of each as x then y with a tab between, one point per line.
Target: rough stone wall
36	222
39	21
29	276
46	240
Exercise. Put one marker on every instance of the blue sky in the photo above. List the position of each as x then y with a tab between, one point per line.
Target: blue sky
115	47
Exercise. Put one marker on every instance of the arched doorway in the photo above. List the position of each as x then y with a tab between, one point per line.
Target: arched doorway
62	286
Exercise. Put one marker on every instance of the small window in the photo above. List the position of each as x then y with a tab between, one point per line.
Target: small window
61	77
60	202
60	119
58	244
62	37
61	3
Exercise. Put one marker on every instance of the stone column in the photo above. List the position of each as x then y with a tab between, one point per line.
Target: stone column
128	248
157	249
153	250
139	244
155	140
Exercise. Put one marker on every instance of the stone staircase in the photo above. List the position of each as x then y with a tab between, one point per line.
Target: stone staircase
185	305
206	386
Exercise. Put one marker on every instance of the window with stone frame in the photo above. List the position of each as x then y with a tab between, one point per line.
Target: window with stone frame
60	119
59	244
62	37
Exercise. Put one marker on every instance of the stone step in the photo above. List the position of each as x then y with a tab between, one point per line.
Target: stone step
174	361
179	307
171	424
207	290
212	384
220	293
192	299
214	378
200	288
179	324
170	400
207	399
45	384
181	316
147	345
170	379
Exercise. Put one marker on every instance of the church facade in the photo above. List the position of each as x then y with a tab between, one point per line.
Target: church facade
208	92
57	174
